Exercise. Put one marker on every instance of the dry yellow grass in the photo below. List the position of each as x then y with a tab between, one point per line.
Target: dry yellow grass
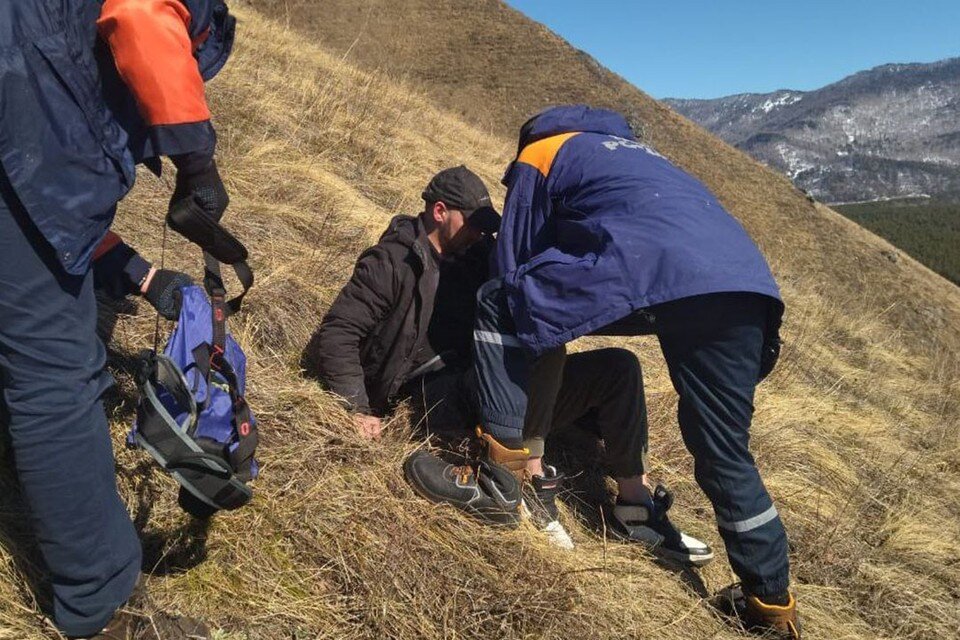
856	432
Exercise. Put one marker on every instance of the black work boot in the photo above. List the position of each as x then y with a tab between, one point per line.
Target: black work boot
774	618
486	490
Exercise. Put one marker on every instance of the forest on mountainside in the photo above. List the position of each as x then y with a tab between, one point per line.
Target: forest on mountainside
927	231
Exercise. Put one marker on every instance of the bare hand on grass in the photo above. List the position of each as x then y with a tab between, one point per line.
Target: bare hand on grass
368	426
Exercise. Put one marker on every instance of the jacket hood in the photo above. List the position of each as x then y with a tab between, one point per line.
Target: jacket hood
570	118
409	232
220	28
402	229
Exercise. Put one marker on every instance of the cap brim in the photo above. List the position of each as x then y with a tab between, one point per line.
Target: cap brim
484	219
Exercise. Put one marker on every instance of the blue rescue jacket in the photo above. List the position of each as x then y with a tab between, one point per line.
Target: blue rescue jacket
597	225
70	133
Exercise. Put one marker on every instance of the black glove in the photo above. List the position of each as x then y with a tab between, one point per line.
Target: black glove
770	352
119	272
164	292
768	357
198	181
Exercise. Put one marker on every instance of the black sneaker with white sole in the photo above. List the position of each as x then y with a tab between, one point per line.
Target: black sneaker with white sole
540	506
649	525
487	491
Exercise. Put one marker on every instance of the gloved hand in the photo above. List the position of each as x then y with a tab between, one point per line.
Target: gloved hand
198	181
769	356
163	292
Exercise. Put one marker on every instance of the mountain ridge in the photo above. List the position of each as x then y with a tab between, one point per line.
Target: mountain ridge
886	132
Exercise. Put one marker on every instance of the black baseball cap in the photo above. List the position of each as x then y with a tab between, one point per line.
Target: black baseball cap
462	189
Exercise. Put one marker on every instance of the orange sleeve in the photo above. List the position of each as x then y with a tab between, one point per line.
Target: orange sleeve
151	47
109	242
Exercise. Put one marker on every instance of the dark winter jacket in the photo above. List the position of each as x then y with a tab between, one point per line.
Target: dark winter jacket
400	309
372	332
88	88
597	225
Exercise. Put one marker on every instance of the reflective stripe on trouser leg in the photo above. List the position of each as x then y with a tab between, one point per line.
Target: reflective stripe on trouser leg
501	365
743	526
712	345
501	339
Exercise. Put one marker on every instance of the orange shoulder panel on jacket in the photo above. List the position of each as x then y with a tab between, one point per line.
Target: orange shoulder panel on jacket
540	154
151	47
109	242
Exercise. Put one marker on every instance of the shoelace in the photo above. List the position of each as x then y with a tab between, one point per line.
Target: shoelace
464	472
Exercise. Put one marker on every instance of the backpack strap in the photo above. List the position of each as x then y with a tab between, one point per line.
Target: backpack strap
247	437
218	245
241	458
213	283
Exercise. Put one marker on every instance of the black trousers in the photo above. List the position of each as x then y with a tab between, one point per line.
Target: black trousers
607	384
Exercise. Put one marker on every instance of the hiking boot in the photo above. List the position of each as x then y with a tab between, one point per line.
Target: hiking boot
122	626
128	624
649	525
774	618
540	506
513	459
486	491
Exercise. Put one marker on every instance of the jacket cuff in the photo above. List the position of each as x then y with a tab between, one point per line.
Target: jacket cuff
119	272
195	138
350	399
357	405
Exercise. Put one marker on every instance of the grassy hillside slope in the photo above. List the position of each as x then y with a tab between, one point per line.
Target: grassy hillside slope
856	431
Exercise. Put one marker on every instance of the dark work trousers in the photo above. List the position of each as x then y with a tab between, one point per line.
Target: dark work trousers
606	384
51	379
712	345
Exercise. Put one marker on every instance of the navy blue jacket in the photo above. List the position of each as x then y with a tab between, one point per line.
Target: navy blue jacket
597	225
78	108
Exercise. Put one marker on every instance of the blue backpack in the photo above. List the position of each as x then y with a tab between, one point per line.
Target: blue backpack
192	417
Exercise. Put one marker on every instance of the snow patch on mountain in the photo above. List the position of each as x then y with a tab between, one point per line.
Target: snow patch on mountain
892	131
781	101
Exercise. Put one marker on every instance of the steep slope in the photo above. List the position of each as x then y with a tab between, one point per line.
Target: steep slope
887	132
855	431
494	67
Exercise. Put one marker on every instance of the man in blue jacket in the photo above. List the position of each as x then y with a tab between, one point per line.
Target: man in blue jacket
602	235
87	89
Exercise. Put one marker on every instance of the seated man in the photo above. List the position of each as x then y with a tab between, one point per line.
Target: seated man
402	327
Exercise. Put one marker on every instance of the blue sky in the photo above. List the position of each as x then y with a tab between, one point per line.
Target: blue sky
703	49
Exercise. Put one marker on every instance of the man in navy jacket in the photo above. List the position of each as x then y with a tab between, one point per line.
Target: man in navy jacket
602	235
88	89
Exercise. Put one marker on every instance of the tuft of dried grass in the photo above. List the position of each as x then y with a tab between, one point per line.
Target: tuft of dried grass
855	432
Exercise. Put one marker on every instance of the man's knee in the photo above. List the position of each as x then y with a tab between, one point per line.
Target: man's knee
488	297
621	366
